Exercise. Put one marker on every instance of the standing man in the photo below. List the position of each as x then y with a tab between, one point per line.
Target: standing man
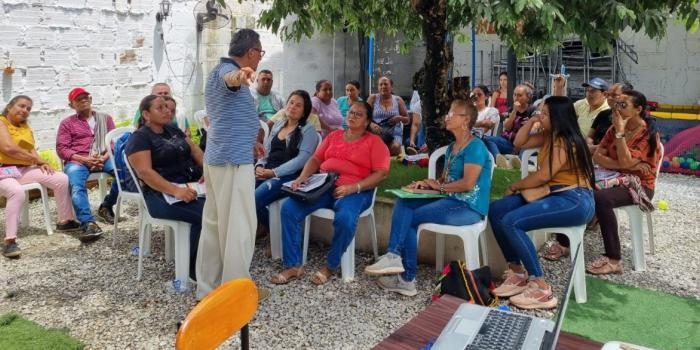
267	102
228	224
80	143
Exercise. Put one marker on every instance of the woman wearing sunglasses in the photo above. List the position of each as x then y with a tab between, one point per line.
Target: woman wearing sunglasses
630	147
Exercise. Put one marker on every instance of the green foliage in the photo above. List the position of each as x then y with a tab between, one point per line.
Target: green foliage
16	333
525	25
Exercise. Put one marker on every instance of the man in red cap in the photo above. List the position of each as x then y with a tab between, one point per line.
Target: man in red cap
80	142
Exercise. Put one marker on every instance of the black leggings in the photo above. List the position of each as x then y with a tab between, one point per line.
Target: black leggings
605	201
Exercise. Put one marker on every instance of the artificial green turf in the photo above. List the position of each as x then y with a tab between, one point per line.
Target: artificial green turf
400	175
17	333
635	315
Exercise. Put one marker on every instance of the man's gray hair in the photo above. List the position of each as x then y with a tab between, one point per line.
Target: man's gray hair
526	88
242	41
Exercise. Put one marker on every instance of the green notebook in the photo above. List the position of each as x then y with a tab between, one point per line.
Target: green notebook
409	195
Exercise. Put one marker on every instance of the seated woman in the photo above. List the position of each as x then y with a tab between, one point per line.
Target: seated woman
17	150
565	166
163	157
466	180
630	147
361	161
499	145
326	107
488	118
388	113
289	146
352	95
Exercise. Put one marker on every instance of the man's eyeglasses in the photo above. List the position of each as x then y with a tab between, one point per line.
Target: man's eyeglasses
262	52
452	114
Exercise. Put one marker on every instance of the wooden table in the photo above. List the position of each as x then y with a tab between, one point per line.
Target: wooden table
429	323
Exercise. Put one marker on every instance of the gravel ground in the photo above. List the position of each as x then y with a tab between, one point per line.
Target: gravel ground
92	289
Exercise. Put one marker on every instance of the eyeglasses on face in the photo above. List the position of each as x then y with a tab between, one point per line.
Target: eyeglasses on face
353	114
621	105
262	52
453	114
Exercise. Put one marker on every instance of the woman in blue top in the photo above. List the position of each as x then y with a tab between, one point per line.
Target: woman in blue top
466	180
352	95
290	144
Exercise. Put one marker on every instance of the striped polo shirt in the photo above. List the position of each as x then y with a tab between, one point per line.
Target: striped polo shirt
233	121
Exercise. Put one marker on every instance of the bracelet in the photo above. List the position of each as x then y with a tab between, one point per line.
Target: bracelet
358	187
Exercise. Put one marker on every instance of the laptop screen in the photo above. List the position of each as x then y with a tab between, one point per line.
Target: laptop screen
550	339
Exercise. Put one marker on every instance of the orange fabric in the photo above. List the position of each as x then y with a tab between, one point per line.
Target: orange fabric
352	161
639	149
567	174
220	314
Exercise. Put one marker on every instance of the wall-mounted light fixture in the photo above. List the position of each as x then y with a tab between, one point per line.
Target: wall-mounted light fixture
164	11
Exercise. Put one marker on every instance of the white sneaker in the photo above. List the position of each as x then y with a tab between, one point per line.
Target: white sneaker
388	264
502	162
396	284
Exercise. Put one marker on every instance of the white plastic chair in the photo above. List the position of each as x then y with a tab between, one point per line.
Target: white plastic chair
347	261
275	228
199	118
24	217
636	229
575	235
525	158
181	235
471	235
265	128
110	138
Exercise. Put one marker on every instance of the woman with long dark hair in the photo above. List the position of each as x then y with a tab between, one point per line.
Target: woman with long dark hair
630	147
565	166
290	144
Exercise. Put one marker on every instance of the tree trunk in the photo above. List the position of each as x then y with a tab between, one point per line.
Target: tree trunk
438	57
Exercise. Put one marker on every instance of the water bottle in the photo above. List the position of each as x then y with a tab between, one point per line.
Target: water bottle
135	251
562	70
504	308
177	286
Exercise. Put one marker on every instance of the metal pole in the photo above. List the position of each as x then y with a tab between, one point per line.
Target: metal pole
512	75
370	63
473	79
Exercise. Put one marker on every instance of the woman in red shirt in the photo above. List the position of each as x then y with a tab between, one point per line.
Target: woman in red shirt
630	147
361	160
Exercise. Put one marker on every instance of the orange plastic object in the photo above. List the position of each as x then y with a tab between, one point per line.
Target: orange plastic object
219	315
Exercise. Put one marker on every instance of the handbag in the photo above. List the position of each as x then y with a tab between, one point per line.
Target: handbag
9	172
474	286
313	195
536	193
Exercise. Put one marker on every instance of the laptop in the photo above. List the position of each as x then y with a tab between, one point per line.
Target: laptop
475	327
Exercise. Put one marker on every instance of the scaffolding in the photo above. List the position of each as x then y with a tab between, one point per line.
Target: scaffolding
581	65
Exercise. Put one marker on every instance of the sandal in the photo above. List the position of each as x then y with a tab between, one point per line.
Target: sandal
411	151
556	251
603	266
319	277
288	275
592	225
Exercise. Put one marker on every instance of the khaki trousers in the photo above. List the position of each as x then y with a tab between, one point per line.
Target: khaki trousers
229	221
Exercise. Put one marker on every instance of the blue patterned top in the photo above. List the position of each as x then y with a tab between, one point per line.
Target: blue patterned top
474	153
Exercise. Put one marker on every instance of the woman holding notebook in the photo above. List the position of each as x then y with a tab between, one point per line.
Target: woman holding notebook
466	182
361	161
164	159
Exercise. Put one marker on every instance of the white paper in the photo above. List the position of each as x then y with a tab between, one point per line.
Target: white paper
314	181
199	187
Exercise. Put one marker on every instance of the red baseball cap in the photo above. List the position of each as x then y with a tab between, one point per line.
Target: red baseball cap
73	94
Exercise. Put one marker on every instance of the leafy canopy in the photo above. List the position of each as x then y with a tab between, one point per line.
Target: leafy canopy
524	25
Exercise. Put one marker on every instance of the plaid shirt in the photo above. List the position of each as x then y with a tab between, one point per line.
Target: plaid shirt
75	136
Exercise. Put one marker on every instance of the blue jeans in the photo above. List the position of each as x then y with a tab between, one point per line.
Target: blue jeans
511	217
77	178
409	213
498	145
266	192
190	213
347	211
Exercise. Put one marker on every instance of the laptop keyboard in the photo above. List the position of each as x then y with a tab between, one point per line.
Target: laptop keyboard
501	330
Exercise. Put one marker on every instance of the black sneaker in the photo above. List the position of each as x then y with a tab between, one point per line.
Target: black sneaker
69	226
106	214
91	232
11	250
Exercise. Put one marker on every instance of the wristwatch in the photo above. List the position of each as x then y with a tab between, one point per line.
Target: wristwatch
442	189
620	135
